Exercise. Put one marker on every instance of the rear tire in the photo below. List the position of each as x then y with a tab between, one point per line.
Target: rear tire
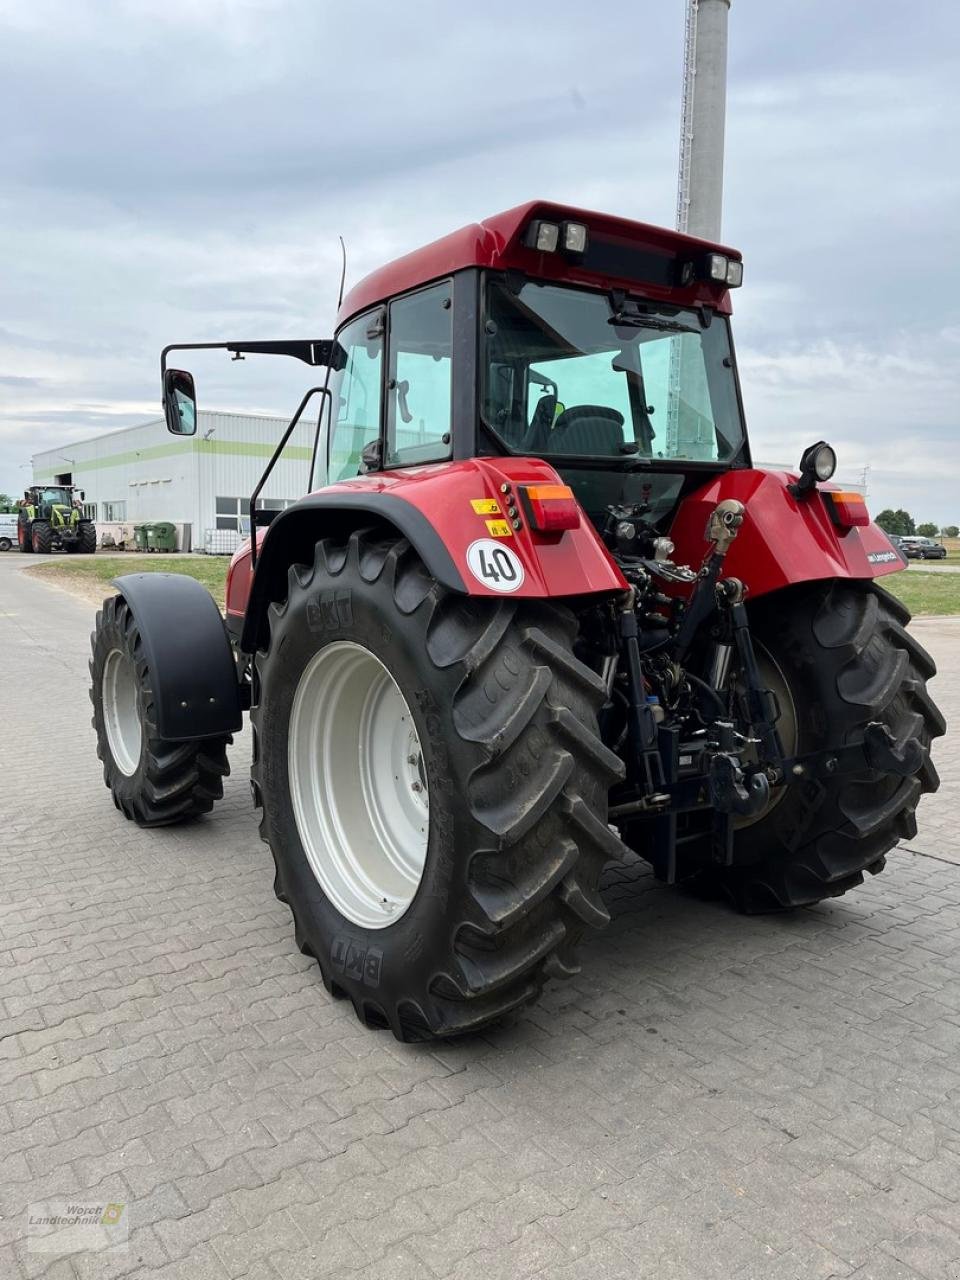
848	659
153	782
42	538
25	538
5	544
512	763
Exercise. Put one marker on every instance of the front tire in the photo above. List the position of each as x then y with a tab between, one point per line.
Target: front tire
153	782
515	775
41	538
87	539
848	659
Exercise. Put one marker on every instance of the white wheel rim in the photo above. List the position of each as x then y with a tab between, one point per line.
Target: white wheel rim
121	712
358	785
773	678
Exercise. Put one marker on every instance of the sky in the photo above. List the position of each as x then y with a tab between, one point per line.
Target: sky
180	170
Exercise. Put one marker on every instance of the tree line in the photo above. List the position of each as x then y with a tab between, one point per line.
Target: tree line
903	524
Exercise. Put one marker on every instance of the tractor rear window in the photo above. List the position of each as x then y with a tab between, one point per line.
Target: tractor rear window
568	375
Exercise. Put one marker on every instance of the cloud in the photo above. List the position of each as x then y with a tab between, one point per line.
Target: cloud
891	411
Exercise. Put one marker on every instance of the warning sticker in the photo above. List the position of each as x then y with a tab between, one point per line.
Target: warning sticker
485	506
498	528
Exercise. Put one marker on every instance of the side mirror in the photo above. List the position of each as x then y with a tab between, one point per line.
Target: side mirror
179	402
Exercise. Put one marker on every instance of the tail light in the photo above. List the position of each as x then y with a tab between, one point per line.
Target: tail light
550	508
847	509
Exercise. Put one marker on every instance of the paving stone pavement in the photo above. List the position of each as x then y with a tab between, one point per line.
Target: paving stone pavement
713	1097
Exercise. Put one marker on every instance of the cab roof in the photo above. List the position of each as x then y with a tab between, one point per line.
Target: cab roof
635	256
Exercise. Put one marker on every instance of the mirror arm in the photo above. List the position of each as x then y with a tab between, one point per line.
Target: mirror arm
315	351
323	391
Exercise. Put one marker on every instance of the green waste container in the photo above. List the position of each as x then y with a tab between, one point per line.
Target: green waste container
140	536
162	536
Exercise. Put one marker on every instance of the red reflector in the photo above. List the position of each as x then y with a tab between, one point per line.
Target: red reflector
551	508
847	509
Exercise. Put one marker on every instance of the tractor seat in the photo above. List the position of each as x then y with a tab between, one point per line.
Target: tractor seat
537	437
588	429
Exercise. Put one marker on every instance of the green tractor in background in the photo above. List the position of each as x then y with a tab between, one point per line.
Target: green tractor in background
50	519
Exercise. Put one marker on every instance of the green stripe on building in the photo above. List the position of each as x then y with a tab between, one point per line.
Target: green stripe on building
235	448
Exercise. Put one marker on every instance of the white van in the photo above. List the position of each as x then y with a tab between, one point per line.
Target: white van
8	532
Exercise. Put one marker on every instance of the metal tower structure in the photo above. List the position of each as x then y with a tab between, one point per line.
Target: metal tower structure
686	114
700	180
703	117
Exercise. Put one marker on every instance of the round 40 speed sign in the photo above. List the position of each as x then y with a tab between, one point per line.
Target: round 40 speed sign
494	565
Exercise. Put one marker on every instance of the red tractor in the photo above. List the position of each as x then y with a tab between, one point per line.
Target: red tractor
539	611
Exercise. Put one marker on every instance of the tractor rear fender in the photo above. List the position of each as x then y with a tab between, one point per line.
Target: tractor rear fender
784	540
443	510
192	670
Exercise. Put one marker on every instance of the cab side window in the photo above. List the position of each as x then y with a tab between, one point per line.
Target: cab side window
419	377
356	393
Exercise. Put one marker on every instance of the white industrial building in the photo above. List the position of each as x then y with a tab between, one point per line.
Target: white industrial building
201	483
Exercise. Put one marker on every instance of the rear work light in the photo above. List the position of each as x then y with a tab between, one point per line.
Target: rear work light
543	236
548	237
550	508
847	509
723	270
574	237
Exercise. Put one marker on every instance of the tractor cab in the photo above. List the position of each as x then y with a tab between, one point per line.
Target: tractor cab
600	345
49	498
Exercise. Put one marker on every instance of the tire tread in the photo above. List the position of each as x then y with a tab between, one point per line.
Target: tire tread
178	780
525	708
879	674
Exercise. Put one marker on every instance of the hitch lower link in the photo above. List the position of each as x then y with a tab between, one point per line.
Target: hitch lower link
647	763
878	750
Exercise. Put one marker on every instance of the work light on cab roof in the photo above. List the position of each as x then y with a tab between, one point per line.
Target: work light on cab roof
540	613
